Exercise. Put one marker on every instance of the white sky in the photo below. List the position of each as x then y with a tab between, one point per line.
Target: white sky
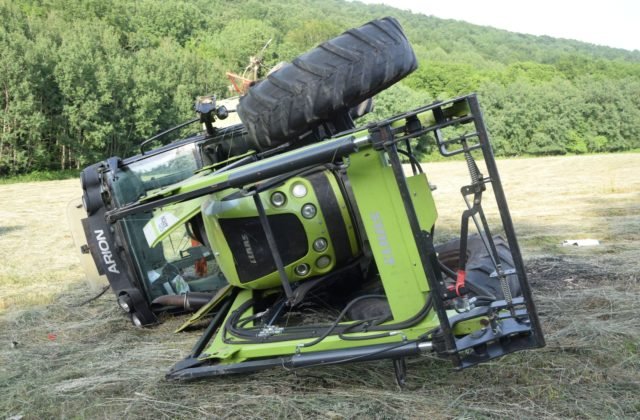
615	23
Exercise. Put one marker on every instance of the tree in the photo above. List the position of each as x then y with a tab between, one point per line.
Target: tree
84	79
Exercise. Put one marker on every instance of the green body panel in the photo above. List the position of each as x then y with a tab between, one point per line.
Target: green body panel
387	227
420	191
215	209
468	326
398	261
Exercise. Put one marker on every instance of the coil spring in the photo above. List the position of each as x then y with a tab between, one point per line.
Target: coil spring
474	172
504	285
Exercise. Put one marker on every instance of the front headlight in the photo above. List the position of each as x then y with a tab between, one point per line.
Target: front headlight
309	211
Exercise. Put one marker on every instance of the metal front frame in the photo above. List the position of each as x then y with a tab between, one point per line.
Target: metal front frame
514	322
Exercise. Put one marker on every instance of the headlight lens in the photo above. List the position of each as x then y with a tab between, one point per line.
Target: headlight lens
299	190
309	211
278	199
320	244
323	261
302	270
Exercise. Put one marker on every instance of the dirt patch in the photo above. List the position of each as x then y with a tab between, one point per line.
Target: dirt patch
558	273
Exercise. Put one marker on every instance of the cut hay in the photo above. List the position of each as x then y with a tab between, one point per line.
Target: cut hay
89	362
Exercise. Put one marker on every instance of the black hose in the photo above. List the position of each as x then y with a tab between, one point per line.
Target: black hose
191	301
339	318
308	331
414	161
102	292
398	326
302	332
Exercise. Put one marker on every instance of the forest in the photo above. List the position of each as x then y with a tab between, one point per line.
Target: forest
82	80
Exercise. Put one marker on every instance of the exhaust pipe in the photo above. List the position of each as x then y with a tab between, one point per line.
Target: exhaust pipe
190	301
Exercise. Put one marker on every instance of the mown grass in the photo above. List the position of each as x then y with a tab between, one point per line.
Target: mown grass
88	362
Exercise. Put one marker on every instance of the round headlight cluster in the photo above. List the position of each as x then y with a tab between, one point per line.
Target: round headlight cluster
309	211
278	199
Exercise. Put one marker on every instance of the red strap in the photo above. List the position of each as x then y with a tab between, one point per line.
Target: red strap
200	265
462	275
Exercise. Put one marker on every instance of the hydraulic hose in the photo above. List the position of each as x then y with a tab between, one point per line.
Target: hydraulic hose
191	301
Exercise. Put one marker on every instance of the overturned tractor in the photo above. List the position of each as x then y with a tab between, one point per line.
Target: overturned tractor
305	240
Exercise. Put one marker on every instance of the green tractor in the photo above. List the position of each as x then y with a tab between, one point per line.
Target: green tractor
323	232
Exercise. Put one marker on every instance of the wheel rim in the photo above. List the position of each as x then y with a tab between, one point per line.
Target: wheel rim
136	320
124	304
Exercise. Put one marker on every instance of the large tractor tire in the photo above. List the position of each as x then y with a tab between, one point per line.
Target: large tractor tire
92	200
479	265
330	79
90	177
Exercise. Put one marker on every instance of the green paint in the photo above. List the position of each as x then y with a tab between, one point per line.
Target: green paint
387	227
215	209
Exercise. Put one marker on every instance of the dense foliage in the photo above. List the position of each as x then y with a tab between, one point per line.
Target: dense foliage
84	79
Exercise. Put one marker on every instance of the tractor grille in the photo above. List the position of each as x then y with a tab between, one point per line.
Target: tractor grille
248	243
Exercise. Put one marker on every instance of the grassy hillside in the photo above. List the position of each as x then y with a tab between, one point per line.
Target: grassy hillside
58	359
85	79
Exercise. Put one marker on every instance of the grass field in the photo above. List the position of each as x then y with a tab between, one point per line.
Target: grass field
58	359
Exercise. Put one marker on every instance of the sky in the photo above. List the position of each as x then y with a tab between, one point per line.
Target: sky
614	23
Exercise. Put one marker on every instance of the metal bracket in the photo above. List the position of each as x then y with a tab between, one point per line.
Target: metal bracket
400	369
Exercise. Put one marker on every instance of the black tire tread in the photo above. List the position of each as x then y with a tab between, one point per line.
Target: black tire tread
92	200
337	75
89	177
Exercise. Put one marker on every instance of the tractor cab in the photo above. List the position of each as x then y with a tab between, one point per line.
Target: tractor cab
147	280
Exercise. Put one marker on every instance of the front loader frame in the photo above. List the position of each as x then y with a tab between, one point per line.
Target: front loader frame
411	274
